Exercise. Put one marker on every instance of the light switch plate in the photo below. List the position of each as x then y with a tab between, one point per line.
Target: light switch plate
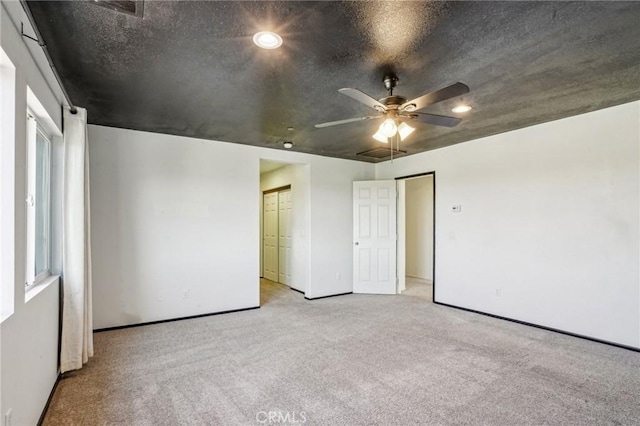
456	208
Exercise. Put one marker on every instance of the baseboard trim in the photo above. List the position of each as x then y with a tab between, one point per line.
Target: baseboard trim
120	327
425	280
555	330
295	289
324	297
46	406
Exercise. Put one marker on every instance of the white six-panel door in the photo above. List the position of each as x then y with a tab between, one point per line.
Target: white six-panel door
284	236
374	237
270	238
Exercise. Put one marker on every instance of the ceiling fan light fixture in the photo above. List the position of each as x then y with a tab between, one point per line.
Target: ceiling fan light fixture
380	137
267	40
405	130
461	108
388	128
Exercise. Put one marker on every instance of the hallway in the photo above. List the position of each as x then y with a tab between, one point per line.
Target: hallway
417	287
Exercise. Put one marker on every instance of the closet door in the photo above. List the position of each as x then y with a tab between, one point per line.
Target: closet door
270	237
284	236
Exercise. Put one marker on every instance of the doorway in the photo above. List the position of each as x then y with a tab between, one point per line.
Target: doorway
416	235
284	228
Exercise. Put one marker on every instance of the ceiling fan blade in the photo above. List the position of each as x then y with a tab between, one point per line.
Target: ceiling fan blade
363	98
424	101
438	120
348	120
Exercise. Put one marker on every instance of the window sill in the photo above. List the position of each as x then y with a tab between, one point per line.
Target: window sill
38	288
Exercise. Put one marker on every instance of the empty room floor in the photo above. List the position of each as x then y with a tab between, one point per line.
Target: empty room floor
418	288
348	360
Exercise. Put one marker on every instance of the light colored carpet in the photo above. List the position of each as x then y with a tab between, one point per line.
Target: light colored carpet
418	288
348	360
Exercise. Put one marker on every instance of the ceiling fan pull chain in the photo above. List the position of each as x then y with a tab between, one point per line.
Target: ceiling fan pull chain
397	142
391	148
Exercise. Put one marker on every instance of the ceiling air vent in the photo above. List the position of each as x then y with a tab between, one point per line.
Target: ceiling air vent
381	153
130	7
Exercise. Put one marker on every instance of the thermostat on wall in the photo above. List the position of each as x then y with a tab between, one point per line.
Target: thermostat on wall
456	209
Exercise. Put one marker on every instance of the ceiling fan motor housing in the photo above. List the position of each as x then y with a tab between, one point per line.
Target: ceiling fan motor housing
393	102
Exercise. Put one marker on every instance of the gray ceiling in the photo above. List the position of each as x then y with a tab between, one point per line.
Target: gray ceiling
191	68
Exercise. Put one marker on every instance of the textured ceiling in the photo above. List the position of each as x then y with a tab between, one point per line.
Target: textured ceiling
191	68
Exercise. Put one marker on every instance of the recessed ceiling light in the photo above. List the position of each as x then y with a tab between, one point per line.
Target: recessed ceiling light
288	145
267	40
462	108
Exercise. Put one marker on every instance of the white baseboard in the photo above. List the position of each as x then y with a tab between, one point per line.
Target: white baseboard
425	281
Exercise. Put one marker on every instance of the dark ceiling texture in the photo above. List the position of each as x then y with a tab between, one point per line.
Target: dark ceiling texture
190	68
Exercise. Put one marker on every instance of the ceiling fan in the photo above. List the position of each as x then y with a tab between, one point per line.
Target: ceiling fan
397	111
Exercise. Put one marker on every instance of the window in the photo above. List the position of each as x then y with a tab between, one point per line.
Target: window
38	203
42	204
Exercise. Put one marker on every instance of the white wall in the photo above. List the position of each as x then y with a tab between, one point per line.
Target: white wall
7	182
296	175
29	337
549	228
331	254
419	227
175	224
276	178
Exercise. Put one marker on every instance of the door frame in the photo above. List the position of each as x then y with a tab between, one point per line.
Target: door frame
278	189
270	191
417	175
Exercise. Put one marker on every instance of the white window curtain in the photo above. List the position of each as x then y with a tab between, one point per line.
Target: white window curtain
77	319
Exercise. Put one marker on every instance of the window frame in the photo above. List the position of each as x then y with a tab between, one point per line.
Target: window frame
35	129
